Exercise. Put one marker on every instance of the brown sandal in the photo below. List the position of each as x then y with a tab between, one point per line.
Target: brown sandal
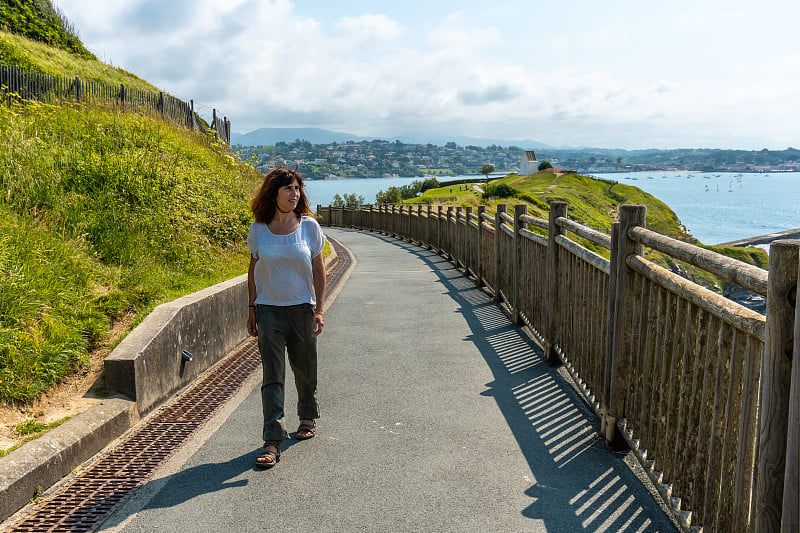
306	431
270	456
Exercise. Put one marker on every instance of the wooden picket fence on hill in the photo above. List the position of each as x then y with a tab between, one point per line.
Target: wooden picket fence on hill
700	388
19	83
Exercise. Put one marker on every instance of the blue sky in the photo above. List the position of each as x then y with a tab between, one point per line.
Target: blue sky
614	74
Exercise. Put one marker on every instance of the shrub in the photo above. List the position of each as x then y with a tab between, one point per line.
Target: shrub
500	190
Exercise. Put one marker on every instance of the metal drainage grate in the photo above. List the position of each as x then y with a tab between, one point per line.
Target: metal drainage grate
97	491
86	501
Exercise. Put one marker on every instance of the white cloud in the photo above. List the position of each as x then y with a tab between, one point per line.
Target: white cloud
367	29
594	76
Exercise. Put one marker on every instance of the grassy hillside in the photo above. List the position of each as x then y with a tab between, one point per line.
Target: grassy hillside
39	20
103	215
591	202
27	53
594	203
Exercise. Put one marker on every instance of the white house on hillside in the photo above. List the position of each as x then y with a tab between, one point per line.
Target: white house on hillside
529	164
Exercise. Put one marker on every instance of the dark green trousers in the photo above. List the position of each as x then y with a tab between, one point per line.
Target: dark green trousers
282	330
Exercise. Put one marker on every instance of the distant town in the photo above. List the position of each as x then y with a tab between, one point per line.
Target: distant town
380	158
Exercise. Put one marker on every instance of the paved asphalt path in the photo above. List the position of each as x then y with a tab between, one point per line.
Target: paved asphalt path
437	415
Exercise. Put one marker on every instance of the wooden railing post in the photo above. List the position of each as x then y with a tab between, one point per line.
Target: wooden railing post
519	210
466	253
790	519
479	267
612	309
458	253
418	230
553	318
400	223
429	228
629	216
498	260
449	253
776	372
440	212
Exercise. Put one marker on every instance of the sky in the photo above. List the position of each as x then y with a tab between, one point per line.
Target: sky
615	74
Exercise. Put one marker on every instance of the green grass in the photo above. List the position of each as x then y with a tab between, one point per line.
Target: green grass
43	22
104	215
30	430
27	53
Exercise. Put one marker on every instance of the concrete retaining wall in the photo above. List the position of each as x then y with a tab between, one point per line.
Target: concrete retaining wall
147	366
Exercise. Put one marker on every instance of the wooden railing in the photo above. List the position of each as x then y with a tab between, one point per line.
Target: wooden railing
700	388
23	84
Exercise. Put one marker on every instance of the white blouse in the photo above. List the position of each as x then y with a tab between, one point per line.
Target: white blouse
283	273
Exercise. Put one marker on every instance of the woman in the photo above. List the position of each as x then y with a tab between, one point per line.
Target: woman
286	286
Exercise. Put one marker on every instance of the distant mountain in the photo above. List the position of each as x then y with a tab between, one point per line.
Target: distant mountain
270	136
264	136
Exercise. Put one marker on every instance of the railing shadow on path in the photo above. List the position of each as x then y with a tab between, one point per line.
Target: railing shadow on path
556	431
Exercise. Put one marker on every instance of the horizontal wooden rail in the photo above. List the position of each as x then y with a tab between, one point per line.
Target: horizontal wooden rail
533	237
587	233
726	310
748	276
600	263
533	221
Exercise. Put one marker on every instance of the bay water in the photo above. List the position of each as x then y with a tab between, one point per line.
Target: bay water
715	207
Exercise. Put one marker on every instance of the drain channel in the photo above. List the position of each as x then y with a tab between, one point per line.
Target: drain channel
86	501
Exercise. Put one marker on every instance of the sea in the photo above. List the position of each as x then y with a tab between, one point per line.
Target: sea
715	207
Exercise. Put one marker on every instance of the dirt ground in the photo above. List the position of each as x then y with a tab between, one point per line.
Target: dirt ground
67	399
72	396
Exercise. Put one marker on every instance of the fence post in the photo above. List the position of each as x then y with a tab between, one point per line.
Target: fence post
790	520
214	123
417	231
519	210
77	88
612	310
400	222
498	260
629	216
479	267
776	372
457	252
448	235
467	255
553	318
439	213
429	228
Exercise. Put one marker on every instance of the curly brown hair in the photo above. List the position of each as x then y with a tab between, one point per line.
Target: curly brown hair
264	203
